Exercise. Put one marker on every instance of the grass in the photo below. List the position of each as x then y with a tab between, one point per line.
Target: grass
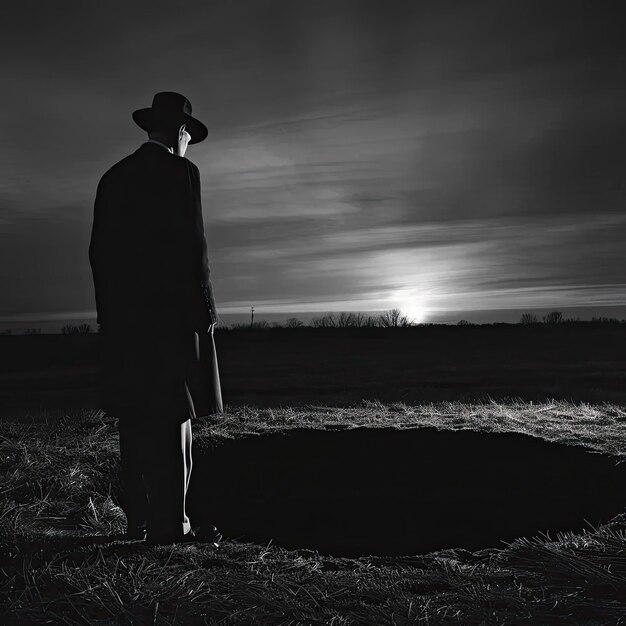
63	559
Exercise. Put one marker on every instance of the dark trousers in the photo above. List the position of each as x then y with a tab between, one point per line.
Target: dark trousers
156	466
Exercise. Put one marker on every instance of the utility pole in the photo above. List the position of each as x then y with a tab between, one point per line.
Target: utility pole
251	317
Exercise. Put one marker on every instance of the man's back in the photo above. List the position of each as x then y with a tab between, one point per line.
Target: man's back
149	261
147	249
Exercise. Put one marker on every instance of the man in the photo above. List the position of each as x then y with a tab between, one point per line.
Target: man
154	298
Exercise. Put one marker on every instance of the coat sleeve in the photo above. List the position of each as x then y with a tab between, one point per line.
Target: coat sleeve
201	258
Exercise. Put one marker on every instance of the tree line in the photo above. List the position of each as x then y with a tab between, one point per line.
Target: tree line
393	318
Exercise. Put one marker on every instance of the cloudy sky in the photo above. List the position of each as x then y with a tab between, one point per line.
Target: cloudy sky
361	154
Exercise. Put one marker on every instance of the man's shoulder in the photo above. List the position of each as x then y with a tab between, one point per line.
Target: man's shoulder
145	160
124	167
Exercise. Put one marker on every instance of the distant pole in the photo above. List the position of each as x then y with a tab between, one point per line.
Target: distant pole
251	317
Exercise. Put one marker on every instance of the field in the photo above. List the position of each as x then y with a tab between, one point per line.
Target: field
398	417
338	367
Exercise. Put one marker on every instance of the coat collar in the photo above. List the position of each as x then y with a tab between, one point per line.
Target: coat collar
153	146
159	144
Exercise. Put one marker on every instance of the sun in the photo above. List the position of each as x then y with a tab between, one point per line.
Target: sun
410	301
416	314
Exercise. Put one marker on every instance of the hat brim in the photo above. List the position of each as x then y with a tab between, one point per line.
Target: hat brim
146	119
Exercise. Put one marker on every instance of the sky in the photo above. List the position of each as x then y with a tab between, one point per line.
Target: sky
362	155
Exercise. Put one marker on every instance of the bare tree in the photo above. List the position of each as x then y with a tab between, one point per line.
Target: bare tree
371	321
345	320
463	323
359	319
393	318
528	318
605	320
554	317
293	322
326	321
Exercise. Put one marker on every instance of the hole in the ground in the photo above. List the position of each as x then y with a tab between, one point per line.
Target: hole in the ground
394	492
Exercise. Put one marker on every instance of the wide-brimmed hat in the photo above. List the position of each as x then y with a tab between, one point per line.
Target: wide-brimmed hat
170	109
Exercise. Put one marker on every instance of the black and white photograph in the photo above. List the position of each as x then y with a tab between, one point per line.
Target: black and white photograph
313	312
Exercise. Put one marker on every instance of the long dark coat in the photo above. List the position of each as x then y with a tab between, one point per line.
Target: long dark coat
148	255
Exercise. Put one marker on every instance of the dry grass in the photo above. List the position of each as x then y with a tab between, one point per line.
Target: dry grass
597	427
63	559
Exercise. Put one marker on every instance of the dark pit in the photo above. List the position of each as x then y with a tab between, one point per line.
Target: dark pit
383	491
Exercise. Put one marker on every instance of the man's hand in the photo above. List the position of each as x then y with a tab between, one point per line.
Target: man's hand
214	319
205	320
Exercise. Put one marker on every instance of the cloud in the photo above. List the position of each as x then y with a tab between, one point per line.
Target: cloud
453	263
358	152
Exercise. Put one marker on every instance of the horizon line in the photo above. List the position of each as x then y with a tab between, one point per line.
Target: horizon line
51	316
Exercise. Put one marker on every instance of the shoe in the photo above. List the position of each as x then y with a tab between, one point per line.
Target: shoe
136	533
203	534
207	534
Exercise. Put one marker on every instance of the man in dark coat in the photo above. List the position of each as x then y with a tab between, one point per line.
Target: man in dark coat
154	298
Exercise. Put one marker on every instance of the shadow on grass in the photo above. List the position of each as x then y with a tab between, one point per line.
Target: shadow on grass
383	491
